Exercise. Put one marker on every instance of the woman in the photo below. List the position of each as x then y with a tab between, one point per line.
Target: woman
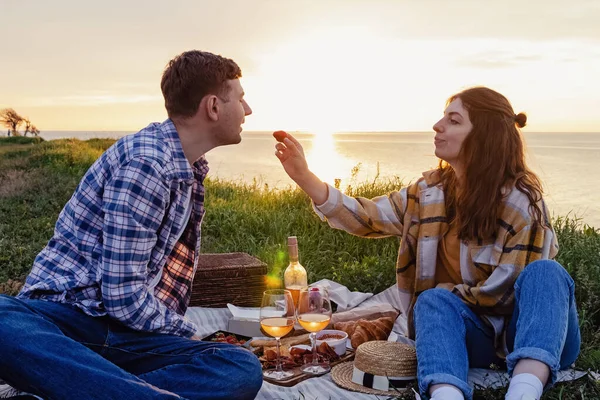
473	271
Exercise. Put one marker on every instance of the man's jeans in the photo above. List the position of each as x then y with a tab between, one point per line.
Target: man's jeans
544	326
59	353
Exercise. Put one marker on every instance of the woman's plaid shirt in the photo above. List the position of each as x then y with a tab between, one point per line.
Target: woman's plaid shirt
417	214
115	249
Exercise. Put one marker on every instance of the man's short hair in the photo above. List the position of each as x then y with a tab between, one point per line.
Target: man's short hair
192	75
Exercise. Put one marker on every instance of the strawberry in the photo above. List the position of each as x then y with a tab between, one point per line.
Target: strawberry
279	135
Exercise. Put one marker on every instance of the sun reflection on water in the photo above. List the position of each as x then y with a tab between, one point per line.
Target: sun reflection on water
324	159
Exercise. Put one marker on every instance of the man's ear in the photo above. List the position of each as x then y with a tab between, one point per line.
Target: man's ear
211	105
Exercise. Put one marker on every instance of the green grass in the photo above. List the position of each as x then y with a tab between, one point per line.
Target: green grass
9	141
37	178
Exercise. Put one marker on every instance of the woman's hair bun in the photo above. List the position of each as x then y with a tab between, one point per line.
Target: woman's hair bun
521	120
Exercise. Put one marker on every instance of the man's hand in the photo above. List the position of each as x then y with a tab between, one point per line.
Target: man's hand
196	337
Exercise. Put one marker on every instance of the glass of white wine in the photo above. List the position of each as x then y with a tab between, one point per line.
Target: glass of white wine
313	314
277	320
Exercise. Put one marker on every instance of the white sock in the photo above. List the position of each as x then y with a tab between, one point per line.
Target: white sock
524	384
447	393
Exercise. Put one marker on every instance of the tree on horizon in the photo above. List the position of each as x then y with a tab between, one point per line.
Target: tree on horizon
34	131
11	119
27	123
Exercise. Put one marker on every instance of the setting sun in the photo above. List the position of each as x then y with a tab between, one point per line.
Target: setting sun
324	159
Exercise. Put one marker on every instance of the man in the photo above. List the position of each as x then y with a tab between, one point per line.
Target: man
101	315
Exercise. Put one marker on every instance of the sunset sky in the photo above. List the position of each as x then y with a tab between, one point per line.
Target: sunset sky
317	65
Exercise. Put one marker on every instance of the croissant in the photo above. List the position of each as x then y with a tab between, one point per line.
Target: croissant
349	327
366	331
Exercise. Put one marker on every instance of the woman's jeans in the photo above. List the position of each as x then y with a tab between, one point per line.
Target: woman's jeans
57	352
544	326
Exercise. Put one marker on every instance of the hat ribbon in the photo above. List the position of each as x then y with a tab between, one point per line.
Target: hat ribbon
379	382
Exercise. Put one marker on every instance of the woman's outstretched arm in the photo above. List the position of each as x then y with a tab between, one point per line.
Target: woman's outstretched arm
381	216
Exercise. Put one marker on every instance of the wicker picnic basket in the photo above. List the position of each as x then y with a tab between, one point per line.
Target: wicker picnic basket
221	278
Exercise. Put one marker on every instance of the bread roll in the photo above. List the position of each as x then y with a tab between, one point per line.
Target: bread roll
370	314
289	341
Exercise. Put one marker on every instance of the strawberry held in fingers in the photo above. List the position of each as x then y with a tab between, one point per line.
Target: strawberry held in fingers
279	135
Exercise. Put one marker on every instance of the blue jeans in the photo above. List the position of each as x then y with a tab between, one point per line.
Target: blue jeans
544	326
59	353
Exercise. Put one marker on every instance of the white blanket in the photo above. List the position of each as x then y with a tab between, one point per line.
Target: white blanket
210	320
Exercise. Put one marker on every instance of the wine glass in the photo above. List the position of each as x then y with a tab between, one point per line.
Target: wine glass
313	314
277	320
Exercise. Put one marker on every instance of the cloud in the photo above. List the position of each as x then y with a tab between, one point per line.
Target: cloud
492	60
503	53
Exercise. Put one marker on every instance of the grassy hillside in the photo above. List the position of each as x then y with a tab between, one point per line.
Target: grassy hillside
37	178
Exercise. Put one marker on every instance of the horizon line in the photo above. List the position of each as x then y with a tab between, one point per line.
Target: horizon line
298	131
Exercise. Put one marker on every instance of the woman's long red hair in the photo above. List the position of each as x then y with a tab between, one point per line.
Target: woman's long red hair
493	156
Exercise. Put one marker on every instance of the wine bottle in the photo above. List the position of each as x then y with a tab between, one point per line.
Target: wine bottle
294	277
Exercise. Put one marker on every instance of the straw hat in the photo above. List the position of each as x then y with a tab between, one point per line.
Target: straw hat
379	367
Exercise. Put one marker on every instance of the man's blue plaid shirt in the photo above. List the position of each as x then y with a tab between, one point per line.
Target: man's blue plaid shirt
114	236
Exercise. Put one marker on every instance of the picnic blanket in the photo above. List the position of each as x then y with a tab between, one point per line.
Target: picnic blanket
210	320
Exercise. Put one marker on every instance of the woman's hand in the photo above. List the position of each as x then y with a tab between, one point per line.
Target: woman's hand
291	154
